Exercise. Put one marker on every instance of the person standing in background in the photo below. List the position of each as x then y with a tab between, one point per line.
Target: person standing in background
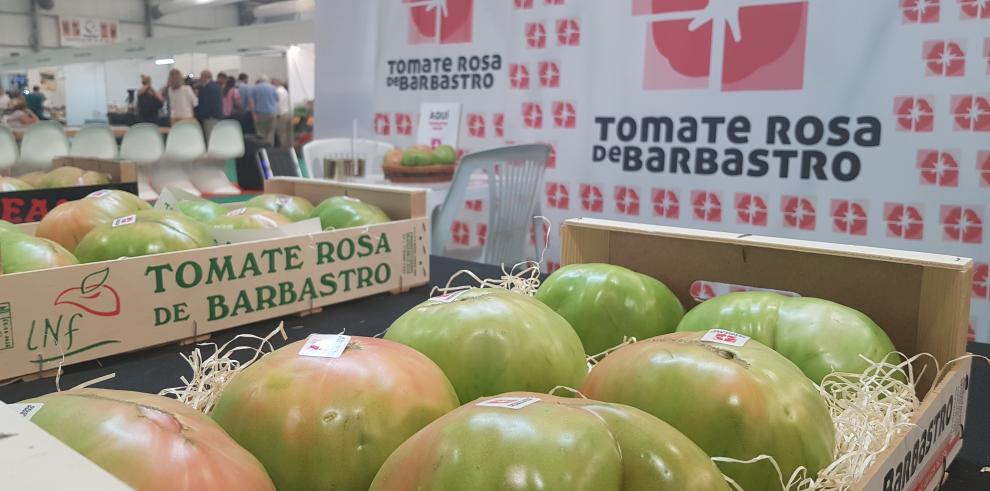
36	102
181	98
18	115
149	101
4	100
283	120
247	104
265	104
231	97
210	107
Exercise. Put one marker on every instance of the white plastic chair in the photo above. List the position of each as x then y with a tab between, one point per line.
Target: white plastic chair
143	145
371	151
515	180
184	145
95	141
210	174
8	149
43	141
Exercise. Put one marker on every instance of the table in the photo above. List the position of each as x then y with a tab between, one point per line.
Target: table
158	368
70	131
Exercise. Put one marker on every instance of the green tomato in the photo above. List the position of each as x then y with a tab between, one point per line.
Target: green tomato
819	336
345	212
444	155
21	252
733	401
553	444
201	210
249	219
489	341
292	207
8	184
6	227
150	232
416	156
605	303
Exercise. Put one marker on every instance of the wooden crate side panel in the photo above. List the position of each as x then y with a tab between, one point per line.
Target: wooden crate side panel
943	312
583	245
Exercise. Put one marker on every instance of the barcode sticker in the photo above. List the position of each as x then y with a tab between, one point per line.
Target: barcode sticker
28	410
118	222
447	297
98	194
725	337
282	200
239	211
509	402
325	345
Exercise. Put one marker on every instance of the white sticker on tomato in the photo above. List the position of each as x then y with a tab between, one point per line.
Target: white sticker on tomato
119	222
447	297
98	194
325	345
28	410
239	211
509	402
282	200
725	337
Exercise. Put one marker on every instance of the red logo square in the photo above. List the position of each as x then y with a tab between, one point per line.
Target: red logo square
666	203
460	233
983	166
553	2
498	121
558	196
914	114
751	209
522	4
919	11
981	281
568	32
974	9
474	204
971	112
564	115
532	115
449	22
937	168
482	233
591	198
552	157
518	76
476	125
905	221
536	35
549	74
626	200
849	217
707	205
798	211
961	224
986	52
945	58
403	124
382	125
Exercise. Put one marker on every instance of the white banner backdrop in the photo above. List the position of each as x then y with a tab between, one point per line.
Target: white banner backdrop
863	122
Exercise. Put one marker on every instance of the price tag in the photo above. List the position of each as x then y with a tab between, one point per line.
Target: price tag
509	402
98	194
239	211
325	345
282	200
27	410
725	337
448	297
119	222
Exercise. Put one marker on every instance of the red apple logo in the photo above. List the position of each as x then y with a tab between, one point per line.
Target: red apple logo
381	123
568	32
914	114
919	11
981	281
476	125
532	115
666	204
938	168
702	290
591	198
403	124
564	115
751	209
518	76
904	221
945	58
971	112
961	224
93	295
849	217
536	35
440	21
626	200
498	121
983	164
460	234
707	206
549	74
974	9
558	196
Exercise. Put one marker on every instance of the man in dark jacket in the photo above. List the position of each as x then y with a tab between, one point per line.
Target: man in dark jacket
210	108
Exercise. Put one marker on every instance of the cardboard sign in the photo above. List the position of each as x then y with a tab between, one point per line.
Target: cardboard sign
34	204
439	124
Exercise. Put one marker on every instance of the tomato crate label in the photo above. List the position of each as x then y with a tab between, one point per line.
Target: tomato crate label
98	194
509	402
325	345
239	211
119	222
283	200
725	337
448	297
27	410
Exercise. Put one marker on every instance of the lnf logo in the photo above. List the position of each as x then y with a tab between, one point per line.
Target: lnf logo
731	45
440	21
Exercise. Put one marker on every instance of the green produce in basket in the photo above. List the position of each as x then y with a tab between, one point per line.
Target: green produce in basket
68	176
733	401
21	252
419	155
444	155
292	207
819	336
345	212
143	233
606	303
552	444
8	184
489	341
249	218
6	226
326	423
201	210
34	179
149	442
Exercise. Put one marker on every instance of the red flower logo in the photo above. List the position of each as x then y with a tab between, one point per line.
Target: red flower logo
558	196
440	21
522	4
536	35
552	157
666	203
482	233
549	74
591	198
702	290
476	125
707	206
532	115
971	112
799	212
518	76
961	224
919	11
762	43
981	281
914	114
904	221
403	124
975	9
945	58
938	168
983	165
564	115
460	233
381	123
498	121
751	209
626	200
849	217
568	32
474	204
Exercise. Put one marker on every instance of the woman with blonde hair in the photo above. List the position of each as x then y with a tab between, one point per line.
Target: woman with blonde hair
181	98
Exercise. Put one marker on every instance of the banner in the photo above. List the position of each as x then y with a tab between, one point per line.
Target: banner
84	31
840	120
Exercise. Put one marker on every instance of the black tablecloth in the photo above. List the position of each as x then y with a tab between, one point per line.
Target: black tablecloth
159	368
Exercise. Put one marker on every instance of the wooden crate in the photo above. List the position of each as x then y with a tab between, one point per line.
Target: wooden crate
921	301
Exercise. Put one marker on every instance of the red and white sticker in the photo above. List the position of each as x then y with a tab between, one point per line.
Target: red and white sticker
725	337
239	211
27	410
447	297
509	402
325	345
119	222
98	194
